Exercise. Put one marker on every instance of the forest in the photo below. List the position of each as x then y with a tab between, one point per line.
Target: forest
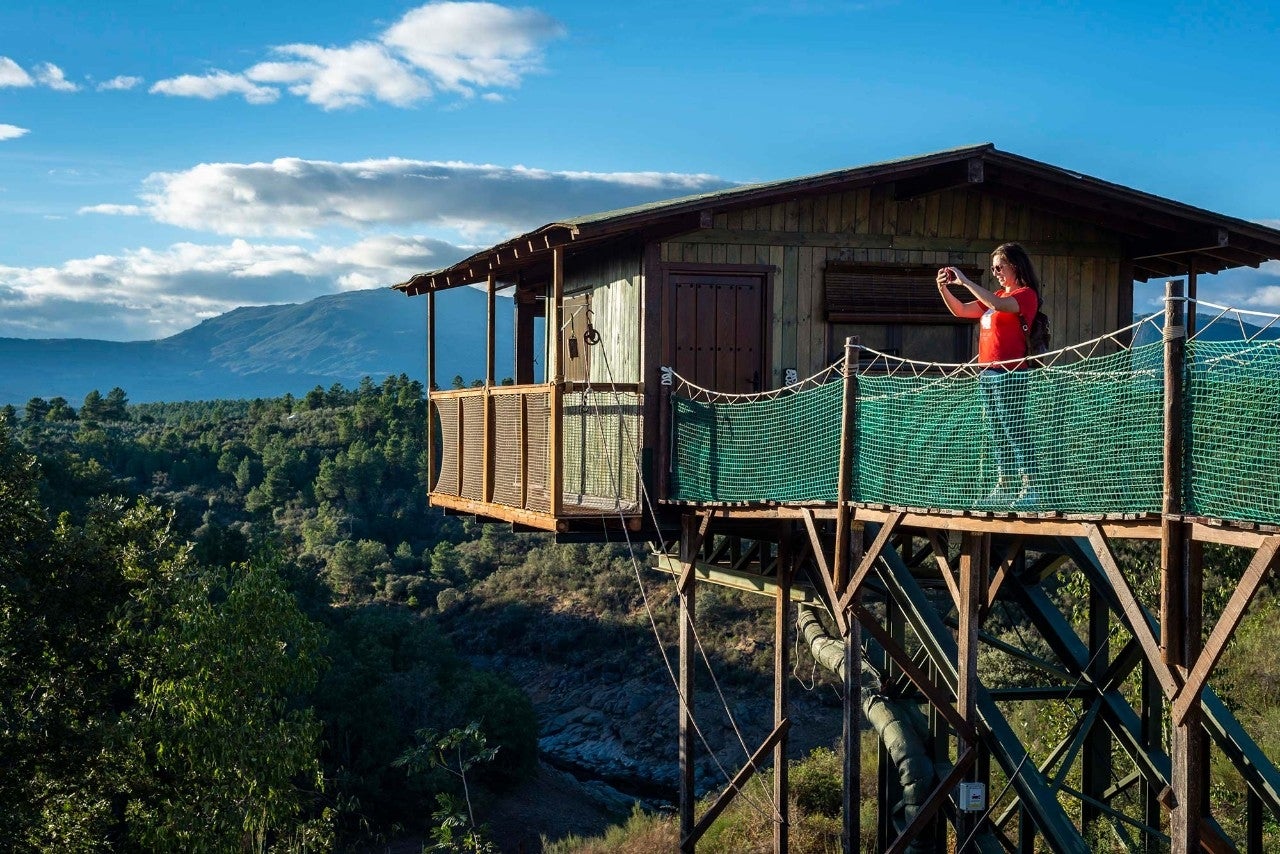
237	626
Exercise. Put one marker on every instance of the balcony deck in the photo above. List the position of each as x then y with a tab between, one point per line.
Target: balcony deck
552	457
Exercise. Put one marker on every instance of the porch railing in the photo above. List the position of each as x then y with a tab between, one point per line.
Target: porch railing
498	446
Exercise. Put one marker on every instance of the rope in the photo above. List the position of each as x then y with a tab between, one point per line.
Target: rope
772	812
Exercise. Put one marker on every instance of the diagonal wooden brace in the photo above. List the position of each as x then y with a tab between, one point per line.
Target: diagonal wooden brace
1264	561
937	798
869	559
735	785
918	677
824	573
1168	679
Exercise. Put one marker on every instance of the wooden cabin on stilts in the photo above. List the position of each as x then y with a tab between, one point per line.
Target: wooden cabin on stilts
763	383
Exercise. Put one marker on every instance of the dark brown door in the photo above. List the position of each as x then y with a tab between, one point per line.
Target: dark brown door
717	330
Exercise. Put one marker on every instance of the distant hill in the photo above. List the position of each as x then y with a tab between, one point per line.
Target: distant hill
266	351
1210	327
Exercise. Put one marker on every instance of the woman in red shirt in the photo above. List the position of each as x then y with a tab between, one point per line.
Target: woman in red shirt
1003	316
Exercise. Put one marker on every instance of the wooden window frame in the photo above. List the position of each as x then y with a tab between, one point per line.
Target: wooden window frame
888	293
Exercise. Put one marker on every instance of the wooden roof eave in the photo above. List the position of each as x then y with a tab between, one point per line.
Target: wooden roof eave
501	260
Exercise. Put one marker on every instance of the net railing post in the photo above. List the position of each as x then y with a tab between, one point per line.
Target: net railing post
1171	545
664	455
1180	608
844	552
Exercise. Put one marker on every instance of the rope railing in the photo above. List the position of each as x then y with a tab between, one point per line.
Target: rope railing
1078	432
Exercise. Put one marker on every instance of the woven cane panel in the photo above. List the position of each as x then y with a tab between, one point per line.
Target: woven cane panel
473	448
509	453
538	416
447	481
600	434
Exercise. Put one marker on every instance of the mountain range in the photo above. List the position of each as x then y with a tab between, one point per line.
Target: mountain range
267	351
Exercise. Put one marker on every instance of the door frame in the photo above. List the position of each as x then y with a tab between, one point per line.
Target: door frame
763	272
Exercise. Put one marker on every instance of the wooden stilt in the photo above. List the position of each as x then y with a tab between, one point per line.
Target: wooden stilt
687	588
974	552
783	627
1096	757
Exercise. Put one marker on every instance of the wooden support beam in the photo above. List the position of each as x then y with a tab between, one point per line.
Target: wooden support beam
944	566
693	547
824	572
686	591
735	785
431	384
1172	542
939	796
1133	612
935	695
869	559
783	624
554	342
844	478
1264	561
1002	572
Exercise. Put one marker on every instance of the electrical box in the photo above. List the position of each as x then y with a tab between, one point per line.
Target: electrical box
973	797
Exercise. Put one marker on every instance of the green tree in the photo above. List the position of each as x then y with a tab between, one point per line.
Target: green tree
115	406
59	410
35	410
92	407
149	703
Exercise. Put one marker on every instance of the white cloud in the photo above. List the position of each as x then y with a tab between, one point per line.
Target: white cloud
11	74
11	132
113	210
52	76
460	45
343	77
214	85
119	84
43	73
147	293
295	197
454	47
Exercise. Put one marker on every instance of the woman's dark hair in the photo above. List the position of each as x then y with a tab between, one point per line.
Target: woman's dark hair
1024	270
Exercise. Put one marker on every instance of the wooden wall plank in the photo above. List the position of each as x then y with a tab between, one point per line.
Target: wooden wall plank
808	294
790	301
773	256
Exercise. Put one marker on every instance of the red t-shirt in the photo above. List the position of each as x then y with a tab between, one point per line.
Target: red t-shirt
1000	332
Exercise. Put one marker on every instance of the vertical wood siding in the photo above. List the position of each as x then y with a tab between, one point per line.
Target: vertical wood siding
1079	263
615	284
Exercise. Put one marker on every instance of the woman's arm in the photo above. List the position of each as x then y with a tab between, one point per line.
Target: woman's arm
969	310
983	298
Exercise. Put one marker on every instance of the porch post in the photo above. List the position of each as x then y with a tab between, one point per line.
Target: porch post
431	384
486	477
555	431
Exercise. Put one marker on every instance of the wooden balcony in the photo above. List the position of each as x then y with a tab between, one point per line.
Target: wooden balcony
554	457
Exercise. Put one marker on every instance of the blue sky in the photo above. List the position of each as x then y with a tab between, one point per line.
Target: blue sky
163	162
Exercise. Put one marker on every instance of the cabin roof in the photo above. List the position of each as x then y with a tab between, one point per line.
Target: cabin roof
1160	234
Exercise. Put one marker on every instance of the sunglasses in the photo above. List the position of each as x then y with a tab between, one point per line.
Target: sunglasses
1000	268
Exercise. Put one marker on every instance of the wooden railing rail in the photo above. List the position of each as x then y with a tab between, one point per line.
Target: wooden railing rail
554	449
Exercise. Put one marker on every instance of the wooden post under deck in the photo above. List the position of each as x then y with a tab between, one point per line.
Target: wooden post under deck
842	559
689	543
1180	615
783	628
974	558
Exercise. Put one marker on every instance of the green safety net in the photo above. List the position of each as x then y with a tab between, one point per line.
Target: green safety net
1083	438
1233	435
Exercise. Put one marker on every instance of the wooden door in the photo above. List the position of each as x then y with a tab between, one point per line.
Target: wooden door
717	330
